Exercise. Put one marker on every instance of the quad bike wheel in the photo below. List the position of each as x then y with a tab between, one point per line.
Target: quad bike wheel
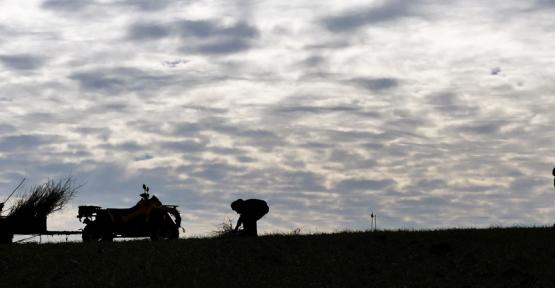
163	227
91	233
164	233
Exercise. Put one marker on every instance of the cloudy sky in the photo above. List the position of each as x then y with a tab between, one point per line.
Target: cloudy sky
428	113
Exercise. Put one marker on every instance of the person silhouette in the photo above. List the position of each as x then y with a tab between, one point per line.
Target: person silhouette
249	211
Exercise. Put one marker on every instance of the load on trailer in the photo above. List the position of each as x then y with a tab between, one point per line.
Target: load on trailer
148	218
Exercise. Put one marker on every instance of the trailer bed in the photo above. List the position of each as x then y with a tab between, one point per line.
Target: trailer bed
58	233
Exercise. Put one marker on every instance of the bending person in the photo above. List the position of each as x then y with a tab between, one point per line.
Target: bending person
250	211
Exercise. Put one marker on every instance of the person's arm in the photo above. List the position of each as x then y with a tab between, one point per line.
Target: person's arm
239	223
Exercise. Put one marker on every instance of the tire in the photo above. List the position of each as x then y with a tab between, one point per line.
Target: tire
163	228
173	233
91	233
6	238
105	227
164	233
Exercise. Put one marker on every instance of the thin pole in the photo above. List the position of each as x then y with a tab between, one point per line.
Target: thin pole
20	183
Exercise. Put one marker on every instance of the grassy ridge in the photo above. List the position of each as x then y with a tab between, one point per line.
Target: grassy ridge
518	257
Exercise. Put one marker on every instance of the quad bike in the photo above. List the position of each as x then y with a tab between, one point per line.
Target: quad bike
148	218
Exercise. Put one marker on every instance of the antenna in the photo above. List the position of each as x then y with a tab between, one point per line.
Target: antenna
20	183
373	221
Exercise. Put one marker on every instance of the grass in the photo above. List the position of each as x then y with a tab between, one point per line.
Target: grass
44	199
514	257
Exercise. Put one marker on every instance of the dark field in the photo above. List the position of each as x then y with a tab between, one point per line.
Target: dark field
516	257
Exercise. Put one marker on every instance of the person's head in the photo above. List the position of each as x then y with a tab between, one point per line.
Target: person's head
237	205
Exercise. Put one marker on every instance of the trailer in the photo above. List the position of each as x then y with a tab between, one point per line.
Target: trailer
28	214
33	226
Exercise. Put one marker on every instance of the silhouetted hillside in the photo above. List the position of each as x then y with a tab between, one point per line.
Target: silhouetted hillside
517	257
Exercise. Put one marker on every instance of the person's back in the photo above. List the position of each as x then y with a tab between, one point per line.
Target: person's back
256	208
250	211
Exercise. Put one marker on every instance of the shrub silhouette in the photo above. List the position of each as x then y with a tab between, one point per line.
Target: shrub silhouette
43	199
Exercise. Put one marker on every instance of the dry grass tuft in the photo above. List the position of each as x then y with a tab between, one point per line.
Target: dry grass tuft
44	199
224	229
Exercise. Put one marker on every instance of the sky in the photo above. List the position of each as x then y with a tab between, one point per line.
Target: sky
430	114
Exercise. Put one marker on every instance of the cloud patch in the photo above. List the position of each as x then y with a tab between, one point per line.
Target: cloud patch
260	138
375	14
22	61
148	5
485	128
66	5
542	4
27	142
376	84
209	37
73	6
148	31
351	185
453	105
119	80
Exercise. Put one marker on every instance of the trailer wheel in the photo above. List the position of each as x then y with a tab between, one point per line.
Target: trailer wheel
6	238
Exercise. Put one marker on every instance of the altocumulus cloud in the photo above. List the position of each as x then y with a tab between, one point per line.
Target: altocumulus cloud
26	142
381	12
326	111
122	79
350	185
66	5
70	6
376	84
199	36
22	61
